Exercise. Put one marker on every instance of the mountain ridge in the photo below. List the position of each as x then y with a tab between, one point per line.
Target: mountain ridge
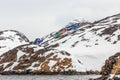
86	46
10	39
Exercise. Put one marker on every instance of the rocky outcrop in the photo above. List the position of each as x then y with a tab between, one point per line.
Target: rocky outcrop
111	68
36	60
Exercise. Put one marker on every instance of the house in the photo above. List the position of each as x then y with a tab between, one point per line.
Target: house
62	31
57	34
74	27
38	41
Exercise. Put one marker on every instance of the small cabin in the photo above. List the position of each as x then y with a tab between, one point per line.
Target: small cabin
74	27
84	23
62	31
57	34
38	41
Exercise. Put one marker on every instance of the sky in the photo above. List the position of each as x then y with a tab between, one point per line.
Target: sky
37	18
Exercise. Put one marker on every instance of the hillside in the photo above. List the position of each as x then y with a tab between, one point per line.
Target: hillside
10	39
81	49
92	43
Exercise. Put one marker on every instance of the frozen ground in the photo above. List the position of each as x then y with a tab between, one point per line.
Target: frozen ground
47	77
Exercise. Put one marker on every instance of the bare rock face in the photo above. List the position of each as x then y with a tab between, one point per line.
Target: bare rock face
111	68
37	60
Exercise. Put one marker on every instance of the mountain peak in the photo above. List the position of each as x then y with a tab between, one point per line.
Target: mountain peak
10	39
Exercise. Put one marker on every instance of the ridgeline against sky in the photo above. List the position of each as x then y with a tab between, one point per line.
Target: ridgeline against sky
36	18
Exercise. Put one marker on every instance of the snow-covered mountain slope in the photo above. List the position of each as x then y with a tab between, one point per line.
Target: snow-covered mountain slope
92	43
10	39
82	49
38	59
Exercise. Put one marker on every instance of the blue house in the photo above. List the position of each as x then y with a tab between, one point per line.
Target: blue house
38	41
74	27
